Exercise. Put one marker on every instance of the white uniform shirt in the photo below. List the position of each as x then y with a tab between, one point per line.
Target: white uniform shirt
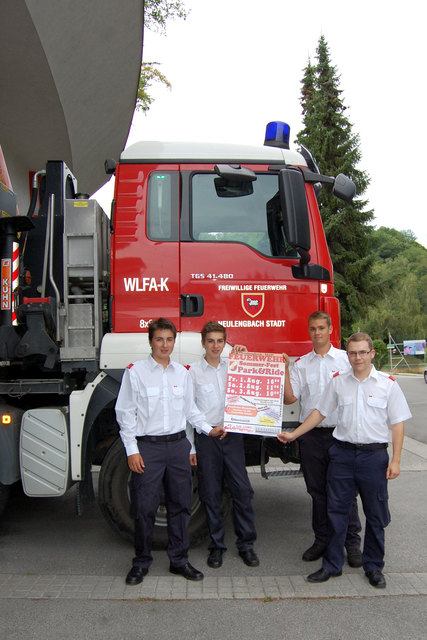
310	376
155	401
209	390
365	409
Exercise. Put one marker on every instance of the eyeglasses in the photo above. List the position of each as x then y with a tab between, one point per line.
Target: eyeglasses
358	354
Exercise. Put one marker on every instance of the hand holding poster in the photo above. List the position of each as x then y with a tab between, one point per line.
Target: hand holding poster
254	393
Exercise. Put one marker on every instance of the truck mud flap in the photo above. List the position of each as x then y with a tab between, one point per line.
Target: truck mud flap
44	452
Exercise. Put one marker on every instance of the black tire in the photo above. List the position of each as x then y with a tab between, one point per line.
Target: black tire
114	501
4	496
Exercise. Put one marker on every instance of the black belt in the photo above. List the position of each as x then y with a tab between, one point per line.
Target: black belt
363	447
169	438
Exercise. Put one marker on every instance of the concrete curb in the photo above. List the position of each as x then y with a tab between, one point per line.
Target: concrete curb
79	587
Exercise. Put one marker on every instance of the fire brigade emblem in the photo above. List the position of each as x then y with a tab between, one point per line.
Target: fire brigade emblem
252	303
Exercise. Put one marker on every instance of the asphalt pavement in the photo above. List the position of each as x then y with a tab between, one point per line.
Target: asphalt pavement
81	558
62	576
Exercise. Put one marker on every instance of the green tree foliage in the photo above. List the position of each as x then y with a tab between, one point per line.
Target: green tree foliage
158	12
381	354
156	15
400	271
328	134
149	73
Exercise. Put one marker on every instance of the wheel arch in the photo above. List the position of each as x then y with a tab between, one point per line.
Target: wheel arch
85	408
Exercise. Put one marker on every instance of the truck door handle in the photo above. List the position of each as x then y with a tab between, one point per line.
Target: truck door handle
192	305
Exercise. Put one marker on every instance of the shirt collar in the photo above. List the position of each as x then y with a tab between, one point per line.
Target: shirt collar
332	353
153	364
206	365
372	374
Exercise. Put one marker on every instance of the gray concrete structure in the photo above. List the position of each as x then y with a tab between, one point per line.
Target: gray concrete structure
68	83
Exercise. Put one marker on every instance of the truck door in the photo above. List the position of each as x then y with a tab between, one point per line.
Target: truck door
236	265
145	245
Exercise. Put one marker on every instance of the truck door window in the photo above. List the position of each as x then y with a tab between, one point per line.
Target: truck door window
162	206
254	219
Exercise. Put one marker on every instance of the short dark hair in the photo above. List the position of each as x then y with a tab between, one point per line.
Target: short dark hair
358	337
320	315
161	323
213	326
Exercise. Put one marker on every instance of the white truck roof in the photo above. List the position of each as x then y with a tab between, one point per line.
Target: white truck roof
151	151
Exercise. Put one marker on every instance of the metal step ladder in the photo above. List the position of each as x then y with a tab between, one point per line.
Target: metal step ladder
85	277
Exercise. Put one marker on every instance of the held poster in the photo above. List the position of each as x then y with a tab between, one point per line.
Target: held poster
254	393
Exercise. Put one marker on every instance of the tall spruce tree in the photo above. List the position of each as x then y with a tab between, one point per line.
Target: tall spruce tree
328	134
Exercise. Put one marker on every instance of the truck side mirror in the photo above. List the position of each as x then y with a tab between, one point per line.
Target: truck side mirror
110	166
296	224
235	173
344	188
235	181
294	207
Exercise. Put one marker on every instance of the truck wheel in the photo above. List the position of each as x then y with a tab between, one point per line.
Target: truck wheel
4	495
114	501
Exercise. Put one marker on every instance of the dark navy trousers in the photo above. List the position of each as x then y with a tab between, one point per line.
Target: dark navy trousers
314	449
364	471
167	467
219	461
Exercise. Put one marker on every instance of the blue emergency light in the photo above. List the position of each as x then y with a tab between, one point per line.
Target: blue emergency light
277	134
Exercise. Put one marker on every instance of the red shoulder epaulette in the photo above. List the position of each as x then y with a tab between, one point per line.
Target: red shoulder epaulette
391	378
297	359
336	374
130	366
187	366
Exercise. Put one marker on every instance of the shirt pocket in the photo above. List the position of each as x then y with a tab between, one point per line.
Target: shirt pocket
377	407
313	383
345	409
178	398
377	402
206	396
153	395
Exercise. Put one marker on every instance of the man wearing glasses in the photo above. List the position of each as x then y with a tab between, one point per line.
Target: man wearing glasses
368	402
307	381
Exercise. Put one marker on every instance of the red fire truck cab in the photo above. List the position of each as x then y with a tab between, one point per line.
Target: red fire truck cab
220	232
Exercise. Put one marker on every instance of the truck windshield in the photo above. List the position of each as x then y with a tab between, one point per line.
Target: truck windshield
254	219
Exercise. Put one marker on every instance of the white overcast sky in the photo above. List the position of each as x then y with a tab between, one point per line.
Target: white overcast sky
235	65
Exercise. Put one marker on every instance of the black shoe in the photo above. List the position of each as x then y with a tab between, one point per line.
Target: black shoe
136	575
187	571
354	557
322	575
215	558
314	552
249	557
376	579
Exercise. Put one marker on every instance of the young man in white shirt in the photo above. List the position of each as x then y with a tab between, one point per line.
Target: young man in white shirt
221	456
309	377
154	402
367	401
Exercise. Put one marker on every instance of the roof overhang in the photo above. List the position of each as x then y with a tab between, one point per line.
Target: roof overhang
68	83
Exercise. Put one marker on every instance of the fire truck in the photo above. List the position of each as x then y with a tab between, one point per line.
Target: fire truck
196	232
